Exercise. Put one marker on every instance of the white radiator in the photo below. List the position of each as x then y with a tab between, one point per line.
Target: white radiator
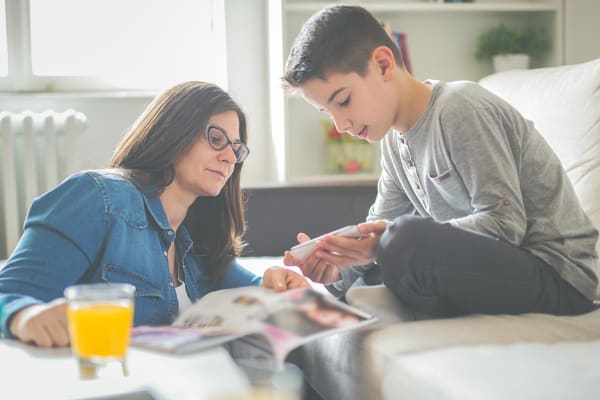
38	151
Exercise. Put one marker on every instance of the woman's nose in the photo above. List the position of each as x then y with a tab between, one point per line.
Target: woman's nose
227	154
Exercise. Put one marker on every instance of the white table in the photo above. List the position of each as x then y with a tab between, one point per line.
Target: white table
27	372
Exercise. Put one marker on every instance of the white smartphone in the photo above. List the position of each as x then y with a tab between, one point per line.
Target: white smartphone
303	250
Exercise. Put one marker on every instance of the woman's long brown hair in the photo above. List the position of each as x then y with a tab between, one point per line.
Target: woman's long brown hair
160	138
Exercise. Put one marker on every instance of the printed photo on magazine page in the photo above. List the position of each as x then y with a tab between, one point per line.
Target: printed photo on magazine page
263	323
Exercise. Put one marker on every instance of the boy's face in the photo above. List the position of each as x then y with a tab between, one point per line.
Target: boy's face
360	106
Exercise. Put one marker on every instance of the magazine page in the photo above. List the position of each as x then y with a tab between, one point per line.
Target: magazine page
269	324
302	315
180	339
217	318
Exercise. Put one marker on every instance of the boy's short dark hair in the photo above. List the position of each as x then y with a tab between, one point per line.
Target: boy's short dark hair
336	39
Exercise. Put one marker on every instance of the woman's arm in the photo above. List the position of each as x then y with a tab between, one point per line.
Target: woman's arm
238	276
63	233
275	278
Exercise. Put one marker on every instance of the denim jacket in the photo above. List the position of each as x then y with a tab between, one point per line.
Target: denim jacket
98	227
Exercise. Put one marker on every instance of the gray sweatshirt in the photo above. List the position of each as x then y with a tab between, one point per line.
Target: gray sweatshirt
472	160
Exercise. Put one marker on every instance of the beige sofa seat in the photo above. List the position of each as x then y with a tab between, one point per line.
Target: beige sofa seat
407	358
356	365
385	348
522	371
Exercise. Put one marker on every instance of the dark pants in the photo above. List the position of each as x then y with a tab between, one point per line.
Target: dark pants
442	270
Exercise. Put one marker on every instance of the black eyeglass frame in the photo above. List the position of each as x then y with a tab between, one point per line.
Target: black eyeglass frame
239	143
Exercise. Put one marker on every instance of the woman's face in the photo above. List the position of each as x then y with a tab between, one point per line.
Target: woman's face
203	171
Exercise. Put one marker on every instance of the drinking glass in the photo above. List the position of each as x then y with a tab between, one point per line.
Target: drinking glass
100	318
285	383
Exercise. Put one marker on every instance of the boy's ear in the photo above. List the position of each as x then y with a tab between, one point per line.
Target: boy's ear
383	58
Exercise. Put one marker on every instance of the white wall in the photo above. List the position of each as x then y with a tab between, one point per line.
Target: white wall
247	59
582	30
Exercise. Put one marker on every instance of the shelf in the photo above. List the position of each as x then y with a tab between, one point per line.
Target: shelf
321	180
437	31
439	7
326	179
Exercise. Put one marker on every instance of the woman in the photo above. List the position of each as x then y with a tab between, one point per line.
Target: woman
167	218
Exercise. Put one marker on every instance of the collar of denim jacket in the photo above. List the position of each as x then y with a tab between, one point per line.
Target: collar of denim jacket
155	209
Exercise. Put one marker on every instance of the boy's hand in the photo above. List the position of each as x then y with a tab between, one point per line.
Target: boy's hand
281	279
334	251
339	250
313	267
44	325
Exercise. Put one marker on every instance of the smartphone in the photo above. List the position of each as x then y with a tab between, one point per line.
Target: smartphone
303	250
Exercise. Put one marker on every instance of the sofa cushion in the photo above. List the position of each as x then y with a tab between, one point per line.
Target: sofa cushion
517	372
564	104
389	342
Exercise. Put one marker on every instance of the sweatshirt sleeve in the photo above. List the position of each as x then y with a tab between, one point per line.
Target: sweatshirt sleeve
487	158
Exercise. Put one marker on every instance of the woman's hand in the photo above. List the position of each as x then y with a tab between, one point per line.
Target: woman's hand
281	279
44	325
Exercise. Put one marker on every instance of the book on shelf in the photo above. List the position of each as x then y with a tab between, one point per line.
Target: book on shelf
401	41
255	323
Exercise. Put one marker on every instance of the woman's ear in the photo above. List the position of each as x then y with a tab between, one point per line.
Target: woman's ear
383	58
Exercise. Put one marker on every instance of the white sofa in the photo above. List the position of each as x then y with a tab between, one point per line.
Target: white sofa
481	356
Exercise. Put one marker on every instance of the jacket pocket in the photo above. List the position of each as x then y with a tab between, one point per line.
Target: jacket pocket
440	177
449	188
144	287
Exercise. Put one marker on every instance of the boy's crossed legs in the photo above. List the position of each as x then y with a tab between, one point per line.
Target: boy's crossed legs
442	270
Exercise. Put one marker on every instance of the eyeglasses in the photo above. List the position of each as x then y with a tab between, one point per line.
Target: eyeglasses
218	140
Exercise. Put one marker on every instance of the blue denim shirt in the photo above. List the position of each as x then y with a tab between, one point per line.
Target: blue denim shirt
98	227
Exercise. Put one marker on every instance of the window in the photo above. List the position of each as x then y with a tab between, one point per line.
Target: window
111	44
3	47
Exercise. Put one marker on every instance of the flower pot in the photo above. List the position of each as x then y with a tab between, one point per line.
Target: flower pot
350	157
505	62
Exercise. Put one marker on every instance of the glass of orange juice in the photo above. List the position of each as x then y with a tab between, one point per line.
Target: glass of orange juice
100	318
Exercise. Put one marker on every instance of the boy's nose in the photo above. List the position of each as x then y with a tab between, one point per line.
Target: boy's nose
342	124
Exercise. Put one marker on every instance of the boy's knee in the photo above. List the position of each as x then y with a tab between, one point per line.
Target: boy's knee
399	251
402	236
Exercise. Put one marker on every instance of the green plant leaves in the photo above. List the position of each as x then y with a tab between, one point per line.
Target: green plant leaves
504	39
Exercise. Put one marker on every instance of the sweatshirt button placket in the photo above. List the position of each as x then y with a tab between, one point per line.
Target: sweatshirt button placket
411	170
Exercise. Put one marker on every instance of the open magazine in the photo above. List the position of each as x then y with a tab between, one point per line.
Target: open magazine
264	325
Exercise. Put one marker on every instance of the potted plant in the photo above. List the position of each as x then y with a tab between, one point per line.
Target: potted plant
510	47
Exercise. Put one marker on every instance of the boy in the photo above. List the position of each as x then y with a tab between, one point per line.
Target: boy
483	218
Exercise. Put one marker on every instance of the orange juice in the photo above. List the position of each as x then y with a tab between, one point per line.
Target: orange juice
100	329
